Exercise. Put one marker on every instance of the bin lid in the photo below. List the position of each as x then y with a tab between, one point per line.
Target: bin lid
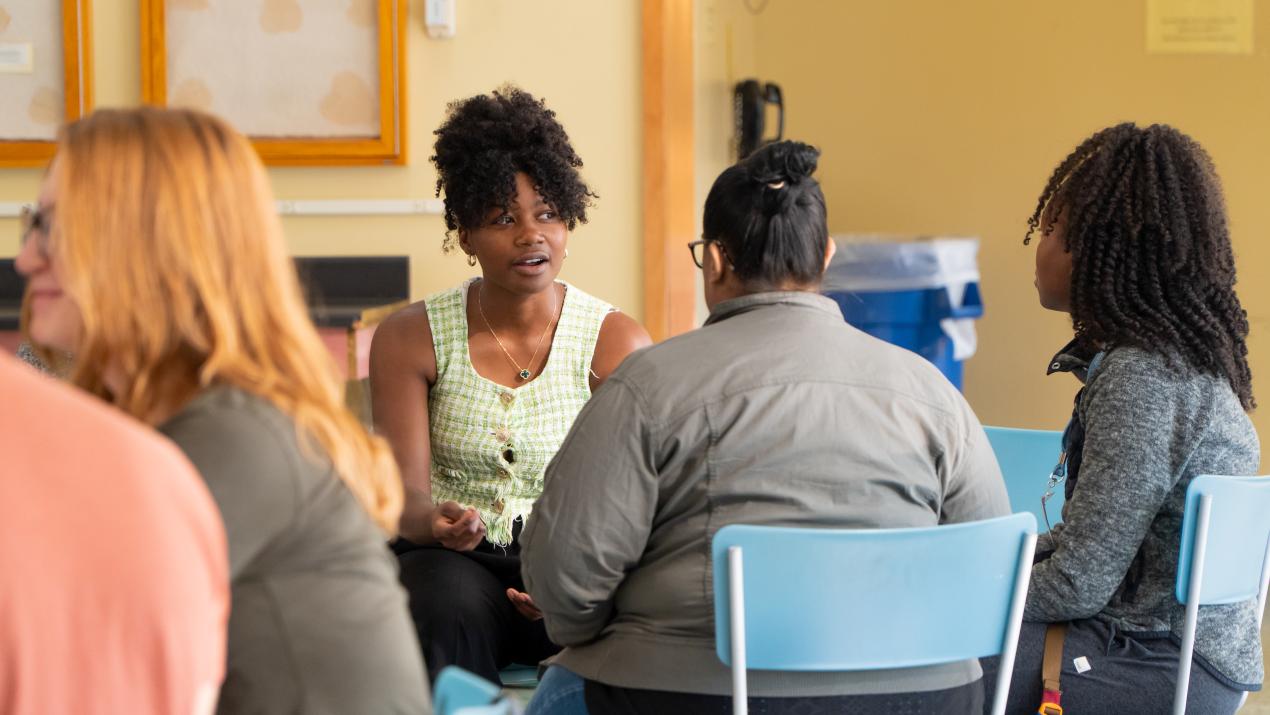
875	262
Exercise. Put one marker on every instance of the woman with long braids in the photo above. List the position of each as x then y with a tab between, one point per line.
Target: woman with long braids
1134	245
477	386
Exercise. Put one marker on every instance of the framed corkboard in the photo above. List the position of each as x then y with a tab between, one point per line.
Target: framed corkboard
312	82
45	75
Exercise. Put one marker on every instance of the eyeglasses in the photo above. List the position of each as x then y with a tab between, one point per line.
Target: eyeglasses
36	225
698	250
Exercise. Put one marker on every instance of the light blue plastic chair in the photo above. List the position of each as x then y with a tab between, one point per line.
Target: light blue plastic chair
864	599
1228	517
458	691
1027	456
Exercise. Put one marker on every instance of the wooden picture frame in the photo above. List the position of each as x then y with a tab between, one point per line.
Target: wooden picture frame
77	85
386	146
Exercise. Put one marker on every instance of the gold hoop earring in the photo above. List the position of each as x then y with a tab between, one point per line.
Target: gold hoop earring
471	260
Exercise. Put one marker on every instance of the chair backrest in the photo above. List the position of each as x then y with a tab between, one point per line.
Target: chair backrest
1027	457
457	688
861	599
1238	538
1224	517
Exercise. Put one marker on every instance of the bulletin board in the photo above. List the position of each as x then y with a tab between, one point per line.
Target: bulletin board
1200	27
45	75
312	82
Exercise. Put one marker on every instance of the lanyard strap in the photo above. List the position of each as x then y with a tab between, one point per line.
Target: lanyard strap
1052	669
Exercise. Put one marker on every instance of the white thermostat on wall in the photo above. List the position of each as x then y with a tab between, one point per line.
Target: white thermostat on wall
438	17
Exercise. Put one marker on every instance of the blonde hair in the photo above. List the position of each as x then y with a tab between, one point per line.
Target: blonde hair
170	245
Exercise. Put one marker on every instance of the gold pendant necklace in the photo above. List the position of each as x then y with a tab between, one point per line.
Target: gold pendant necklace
522	372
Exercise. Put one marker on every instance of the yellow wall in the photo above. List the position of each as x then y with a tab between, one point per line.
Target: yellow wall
581	55
724	53
947	117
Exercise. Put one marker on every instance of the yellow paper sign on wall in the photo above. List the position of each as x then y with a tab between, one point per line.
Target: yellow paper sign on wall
1199	26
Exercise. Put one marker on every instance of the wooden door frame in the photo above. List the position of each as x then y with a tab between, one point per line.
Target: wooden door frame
669	159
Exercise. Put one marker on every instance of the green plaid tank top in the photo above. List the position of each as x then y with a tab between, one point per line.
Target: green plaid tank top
491	443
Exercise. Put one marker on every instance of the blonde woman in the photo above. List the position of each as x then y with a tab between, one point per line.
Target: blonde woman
156	257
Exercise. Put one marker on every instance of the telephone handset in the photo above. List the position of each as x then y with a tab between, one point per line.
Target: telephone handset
751	100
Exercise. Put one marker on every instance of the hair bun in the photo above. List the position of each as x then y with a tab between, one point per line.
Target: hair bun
782	162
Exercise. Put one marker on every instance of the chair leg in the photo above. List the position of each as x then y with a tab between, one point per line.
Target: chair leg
1022	578
1186	655
736	608
1265	585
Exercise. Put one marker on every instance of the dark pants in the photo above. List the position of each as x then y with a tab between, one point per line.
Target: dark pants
461	611
601	698
1127	674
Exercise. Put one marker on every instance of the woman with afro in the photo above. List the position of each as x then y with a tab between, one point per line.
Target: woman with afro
476	387
1135	247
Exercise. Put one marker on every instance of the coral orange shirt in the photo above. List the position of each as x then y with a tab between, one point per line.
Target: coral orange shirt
114	590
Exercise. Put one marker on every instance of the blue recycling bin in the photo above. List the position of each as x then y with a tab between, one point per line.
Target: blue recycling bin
919	295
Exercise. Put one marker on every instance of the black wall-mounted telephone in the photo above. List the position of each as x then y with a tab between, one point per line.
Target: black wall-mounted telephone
750	102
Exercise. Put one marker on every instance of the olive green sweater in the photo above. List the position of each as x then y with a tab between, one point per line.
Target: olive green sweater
318	623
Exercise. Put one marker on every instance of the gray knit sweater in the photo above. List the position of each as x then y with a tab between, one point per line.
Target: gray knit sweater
1150	427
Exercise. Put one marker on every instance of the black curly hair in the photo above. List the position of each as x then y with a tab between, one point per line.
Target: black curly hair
1152	264
486	140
